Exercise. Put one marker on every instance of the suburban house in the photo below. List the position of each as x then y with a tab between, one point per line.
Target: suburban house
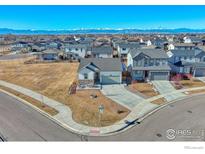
52	45
148	64
100	71
187	39
188	62
159	42
124	48
102	52
49	54
181	46
78	49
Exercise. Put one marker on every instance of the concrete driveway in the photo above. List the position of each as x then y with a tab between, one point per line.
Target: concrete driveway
122	96
201	79
165	87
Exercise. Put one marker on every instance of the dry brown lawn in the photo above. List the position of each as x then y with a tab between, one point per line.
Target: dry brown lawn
144	88
191	83
159	101
196	92
84	106
53	80
147	90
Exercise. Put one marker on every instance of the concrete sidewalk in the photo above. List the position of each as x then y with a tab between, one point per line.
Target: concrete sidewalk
165	87
64	117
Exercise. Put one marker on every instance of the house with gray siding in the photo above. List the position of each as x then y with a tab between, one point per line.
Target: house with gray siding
99	71
78	49
188	61
102	52
49	54
148	64
124	48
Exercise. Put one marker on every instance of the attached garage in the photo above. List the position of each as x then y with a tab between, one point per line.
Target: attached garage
159	76
110	77
200	72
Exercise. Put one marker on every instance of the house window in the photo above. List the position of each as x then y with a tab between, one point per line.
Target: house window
146	62
85	76
123	49
157	62
151	62
76	49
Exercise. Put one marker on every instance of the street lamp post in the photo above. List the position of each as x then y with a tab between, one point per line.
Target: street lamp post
101	110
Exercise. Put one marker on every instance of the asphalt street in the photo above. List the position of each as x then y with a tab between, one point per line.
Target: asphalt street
19	122
14	56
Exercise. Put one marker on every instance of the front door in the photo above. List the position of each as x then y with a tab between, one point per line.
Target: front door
97	77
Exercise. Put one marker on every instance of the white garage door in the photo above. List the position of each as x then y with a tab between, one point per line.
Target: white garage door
159	75
110	79
200	72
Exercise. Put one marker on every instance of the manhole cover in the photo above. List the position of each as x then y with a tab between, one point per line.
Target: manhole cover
159	135
189	111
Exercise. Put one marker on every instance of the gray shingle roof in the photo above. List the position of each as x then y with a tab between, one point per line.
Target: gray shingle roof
153	68
104	64
129	45
51	51
152	53
185	52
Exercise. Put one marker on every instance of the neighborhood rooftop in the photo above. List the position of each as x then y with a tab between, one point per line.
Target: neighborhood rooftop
152	53
104	64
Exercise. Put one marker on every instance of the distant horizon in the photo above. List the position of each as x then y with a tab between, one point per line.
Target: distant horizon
71	17
106	28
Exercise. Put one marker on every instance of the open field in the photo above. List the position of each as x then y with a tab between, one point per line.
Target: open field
53	80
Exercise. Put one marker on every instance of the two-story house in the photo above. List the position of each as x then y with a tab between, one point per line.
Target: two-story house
102	52
148	64
188	62
79	50
181	46
124	48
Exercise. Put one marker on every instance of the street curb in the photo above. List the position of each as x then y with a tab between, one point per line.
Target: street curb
70	129
65	126
140	119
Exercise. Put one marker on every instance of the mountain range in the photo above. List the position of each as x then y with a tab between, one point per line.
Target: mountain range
99	31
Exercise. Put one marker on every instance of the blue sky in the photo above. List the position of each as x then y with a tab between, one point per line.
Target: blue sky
75	17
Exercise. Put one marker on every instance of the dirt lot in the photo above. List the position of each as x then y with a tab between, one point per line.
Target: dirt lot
54	80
